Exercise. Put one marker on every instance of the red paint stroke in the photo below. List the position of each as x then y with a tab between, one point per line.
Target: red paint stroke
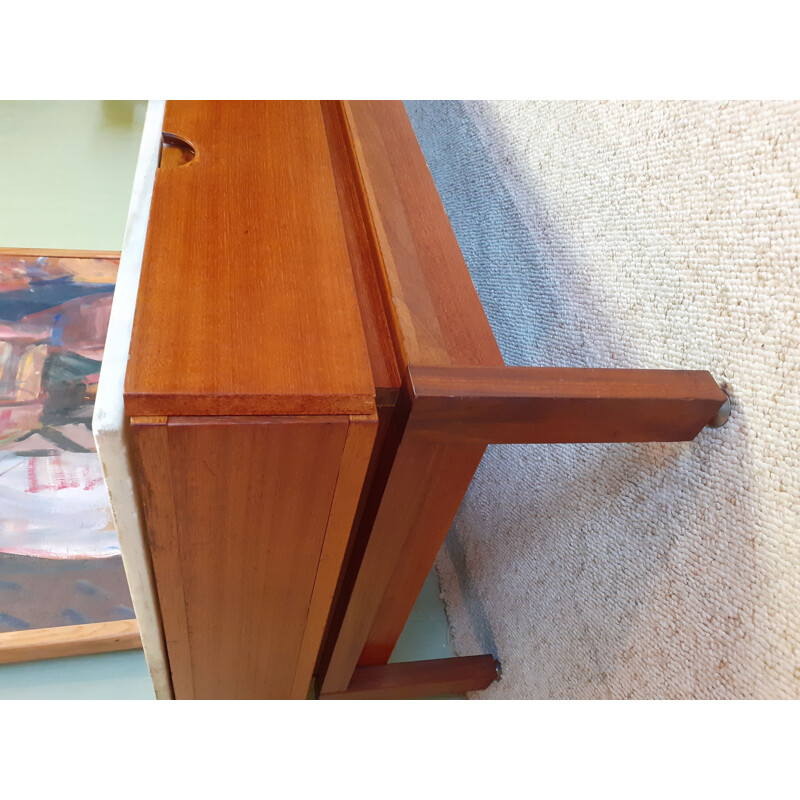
61	477
89	482
33	483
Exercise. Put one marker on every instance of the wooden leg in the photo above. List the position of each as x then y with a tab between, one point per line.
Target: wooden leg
442	487
355	458
455	413
553	405
418	679
425	487
387	440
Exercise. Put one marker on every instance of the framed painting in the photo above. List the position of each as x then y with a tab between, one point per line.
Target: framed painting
63	589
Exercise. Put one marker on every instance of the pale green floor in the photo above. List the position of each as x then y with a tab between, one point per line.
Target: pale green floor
66	170
110	676
124	676
426	634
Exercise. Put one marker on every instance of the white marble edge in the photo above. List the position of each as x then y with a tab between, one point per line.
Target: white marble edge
108	423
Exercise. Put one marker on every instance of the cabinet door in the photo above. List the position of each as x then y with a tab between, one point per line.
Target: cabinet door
237	510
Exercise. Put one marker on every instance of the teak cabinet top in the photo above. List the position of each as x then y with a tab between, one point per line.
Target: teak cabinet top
246	300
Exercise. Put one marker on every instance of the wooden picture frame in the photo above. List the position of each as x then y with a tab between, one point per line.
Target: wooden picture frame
36	643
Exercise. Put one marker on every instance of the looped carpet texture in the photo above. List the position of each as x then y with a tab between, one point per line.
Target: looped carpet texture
646	234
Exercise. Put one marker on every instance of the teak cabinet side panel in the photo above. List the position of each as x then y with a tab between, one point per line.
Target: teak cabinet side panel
150	454
251	499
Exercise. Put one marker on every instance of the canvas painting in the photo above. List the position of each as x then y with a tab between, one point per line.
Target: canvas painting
59	554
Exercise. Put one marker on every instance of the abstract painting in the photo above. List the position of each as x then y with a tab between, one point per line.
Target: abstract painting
59	553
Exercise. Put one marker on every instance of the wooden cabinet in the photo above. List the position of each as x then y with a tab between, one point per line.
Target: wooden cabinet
250	397
312	384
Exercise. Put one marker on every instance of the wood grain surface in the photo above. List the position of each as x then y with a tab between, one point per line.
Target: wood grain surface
547	404
246	301
364	257
251	499
437	315
44	253
387	439
352	472
153	478
426	484
69	640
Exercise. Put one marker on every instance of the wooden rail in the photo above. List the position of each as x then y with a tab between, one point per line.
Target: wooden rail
496	405
413	680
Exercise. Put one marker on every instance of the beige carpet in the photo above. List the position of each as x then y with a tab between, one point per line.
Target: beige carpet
633	235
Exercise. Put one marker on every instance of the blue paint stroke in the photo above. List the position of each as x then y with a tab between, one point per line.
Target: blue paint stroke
74	617
90	590
10	586
15	623
123	612
42	295
57	337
